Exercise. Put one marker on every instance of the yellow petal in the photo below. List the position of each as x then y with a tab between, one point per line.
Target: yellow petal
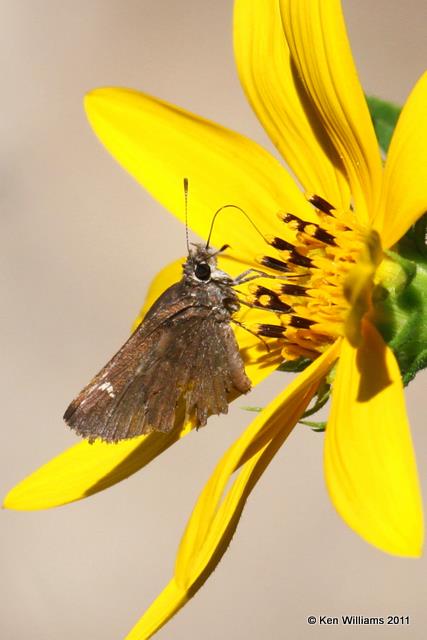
277	97
358	286
164	279
213	522
165	606
159	144
217	511
370	466
207	530
317	37
85	468
405	178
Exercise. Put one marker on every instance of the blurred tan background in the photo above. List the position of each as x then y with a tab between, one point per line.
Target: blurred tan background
80	242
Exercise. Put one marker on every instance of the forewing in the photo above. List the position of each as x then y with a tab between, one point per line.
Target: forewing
187	361
91	410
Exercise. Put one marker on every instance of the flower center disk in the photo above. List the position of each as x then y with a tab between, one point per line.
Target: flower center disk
325	273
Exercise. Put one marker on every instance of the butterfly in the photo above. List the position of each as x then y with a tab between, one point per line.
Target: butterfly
182	360
181	363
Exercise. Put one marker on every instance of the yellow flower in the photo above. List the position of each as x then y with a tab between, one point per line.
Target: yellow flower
297	70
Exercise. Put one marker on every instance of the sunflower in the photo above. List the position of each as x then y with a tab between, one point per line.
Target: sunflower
327	234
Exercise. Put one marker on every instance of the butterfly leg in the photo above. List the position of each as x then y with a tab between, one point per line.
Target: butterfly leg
251	274
242	326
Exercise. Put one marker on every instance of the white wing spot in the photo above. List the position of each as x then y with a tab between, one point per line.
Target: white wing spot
108	387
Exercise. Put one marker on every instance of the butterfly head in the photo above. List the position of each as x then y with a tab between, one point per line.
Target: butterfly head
201	265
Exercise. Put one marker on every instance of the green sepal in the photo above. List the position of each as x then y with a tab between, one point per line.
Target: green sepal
401	303
321	398
413	242
315	426
384	116
294	366
253	409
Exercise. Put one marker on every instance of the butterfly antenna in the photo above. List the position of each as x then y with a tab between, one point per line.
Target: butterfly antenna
233	206
186	213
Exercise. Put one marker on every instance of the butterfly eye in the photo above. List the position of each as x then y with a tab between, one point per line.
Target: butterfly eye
202	271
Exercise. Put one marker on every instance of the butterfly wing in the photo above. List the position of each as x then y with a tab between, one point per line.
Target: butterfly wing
179	362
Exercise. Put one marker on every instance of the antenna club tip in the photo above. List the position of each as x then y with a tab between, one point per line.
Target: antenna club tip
186	184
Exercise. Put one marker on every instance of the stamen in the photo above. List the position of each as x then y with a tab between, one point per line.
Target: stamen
300	323
312	229
290	218
300	260
282	245
274	263
270	330
320	203
324	236
270	300
323	251
293	290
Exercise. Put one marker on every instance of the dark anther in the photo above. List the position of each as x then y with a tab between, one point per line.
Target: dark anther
294	290
282	245
290	217
319	234
274	263
300	323
321	204
263	291
281	307
300	260
325	236
270	330
274	303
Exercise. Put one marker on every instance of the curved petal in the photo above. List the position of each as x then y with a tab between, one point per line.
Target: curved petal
162	280
159	144
405	177
166	605
217	511
85	468
317	38
280	102
370	465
